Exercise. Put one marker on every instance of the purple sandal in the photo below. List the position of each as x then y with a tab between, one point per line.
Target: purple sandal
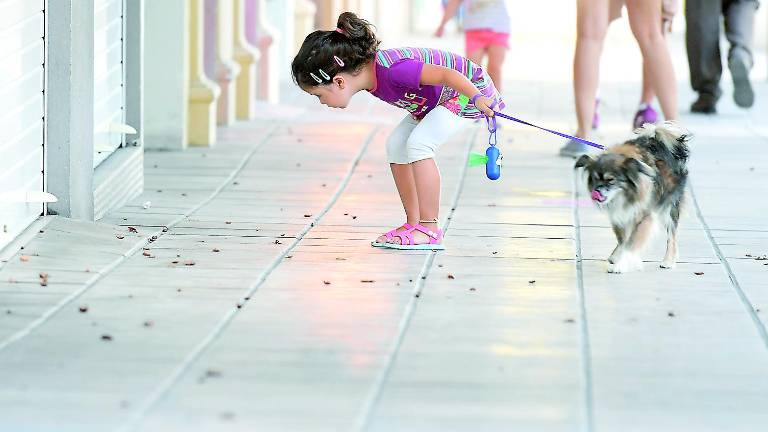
391	234
407	242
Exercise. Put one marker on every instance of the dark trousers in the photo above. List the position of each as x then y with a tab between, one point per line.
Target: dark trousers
702	38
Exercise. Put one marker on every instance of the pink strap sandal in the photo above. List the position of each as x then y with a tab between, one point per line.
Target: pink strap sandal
407	242
391	234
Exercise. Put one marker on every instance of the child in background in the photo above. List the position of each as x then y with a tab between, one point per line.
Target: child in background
439	90
486	32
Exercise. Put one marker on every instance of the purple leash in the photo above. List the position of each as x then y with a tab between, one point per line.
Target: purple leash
581	140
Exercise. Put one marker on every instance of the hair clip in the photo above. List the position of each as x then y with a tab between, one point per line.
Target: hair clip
338	30
319	81
325	75
338	61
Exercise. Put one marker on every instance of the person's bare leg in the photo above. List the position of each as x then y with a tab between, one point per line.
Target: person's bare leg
591	25
645	22
406	188
647	95
476	56
496	54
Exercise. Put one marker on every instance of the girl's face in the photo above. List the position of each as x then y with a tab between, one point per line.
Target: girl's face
335	94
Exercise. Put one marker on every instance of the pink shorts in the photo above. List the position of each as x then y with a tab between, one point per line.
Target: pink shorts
481	39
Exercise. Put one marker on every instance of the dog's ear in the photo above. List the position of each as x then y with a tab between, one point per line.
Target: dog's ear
585	161
635	166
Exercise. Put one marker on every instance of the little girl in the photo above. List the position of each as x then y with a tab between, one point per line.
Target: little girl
437	88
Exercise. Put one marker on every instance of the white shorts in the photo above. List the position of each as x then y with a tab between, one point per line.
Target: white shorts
414	140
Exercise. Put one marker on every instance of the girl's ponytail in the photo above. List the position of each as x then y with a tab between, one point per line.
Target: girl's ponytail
360	32
344	49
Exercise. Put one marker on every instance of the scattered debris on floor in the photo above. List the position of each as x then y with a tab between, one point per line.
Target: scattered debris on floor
132	229
120	236
532	281
44	279
367	281
327	282
698	273
106	337
216	250
147	205
189	263
450	276
149	323
83	309
670	314
569	320
473	289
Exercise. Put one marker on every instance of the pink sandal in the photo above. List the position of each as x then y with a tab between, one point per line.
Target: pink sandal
407	242
391	234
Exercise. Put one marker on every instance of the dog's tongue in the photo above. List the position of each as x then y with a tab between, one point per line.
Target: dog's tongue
597	196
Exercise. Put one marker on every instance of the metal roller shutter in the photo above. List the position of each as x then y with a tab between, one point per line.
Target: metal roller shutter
22	112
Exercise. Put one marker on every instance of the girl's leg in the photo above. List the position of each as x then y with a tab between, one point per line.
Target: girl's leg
406	188
645	22
436	128
591	26
496	54
402	172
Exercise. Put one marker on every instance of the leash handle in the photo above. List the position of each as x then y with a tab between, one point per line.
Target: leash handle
581	140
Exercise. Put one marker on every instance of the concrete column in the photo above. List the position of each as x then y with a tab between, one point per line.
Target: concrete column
328	12
246	55
261	34
166	74
203	93
69	90
227	69
304	12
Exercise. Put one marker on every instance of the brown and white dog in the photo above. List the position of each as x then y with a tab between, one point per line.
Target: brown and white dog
641	183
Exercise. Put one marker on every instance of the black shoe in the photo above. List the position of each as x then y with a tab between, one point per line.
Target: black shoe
743	94
705	104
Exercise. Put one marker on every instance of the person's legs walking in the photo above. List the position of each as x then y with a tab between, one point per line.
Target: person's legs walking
702	41
591	26
645	22
739	30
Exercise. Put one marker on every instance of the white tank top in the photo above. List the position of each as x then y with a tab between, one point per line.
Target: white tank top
486	14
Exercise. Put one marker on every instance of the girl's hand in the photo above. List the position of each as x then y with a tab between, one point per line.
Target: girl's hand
484	104
440	30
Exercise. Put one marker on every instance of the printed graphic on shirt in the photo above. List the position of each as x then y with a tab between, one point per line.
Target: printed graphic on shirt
398	73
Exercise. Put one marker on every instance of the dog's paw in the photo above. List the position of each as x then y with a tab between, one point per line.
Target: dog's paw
626	263
668	264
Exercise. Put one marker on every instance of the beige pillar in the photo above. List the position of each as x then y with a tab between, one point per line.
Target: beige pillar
266	39
227	68
328	12
304	12
246	57
203	93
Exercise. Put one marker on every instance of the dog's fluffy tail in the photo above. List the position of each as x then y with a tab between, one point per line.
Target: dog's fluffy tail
674	137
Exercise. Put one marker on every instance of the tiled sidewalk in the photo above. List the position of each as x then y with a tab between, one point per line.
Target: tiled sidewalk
261	306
